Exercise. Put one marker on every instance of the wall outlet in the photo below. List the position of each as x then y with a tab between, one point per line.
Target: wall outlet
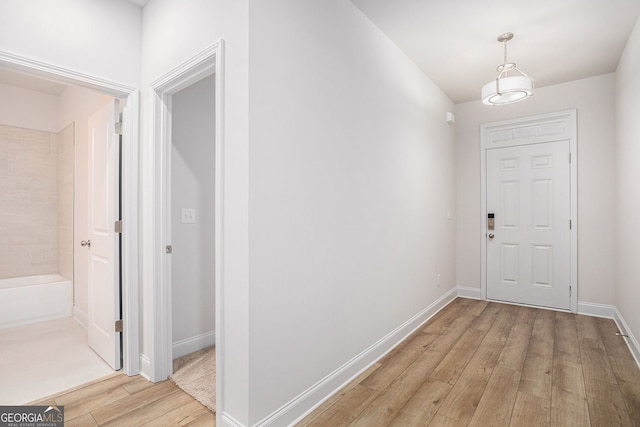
438	280
188	216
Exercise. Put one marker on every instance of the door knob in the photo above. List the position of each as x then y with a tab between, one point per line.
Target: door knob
491	236
86	243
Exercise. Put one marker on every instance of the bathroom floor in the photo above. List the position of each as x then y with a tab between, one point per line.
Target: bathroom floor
45	358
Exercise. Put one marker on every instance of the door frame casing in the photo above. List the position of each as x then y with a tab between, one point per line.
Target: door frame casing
208	62
129	196
558	126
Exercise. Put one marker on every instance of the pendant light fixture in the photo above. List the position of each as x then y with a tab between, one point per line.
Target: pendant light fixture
506	88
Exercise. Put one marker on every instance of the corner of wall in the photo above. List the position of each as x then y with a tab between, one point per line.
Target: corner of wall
81	316
630	339
302	405
469	292
145	367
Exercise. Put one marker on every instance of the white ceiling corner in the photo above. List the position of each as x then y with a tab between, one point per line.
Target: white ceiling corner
454	41
141	3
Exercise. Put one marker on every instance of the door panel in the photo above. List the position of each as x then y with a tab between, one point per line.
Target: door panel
510	204
104	269
510	263
528	189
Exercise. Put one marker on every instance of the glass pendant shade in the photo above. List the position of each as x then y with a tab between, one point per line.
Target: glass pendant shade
506	90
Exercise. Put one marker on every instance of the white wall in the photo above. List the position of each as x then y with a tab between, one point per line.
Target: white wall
28	109
352	173
192	186
593	100
627	88
98	37
173	32
75	105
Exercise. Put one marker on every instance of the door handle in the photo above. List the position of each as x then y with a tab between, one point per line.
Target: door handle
491	236
86	243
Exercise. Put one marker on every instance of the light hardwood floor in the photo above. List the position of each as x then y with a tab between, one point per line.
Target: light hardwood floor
119	400
479	363
474	364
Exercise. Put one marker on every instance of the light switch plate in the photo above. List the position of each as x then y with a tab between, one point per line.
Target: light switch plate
188	216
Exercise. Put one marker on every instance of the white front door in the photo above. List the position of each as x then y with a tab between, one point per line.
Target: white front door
529	249
104	249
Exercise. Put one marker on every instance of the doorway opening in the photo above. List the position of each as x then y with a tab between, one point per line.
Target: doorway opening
192	224
45	144
529	211
42	99
188	130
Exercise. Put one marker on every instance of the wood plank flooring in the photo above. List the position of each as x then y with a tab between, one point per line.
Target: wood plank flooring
119	400
476	363
479	363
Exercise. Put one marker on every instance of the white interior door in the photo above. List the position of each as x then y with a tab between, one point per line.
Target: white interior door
104	248
529	255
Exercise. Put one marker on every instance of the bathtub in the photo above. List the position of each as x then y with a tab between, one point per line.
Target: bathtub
32	299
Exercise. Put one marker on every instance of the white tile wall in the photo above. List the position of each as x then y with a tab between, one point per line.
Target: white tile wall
4	167
28	202
22	140
65	155
44	190
32	165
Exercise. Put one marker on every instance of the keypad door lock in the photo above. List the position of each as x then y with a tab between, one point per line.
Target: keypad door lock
491	225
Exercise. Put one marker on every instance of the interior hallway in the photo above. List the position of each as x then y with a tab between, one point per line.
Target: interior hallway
45	358
482	363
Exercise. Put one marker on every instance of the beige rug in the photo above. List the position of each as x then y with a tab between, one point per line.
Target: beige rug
195	373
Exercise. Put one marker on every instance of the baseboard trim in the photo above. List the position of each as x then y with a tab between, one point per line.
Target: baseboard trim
145	367
299	407
195	343
229	421
469	292
630	339
611	312
596	310
81	316
306	402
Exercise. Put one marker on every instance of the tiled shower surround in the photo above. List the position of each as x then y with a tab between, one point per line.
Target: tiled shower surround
65	154
35	215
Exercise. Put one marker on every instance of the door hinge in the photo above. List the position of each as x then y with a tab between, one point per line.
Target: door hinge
570	225
569	291
118	226
119	325
118	128
569	157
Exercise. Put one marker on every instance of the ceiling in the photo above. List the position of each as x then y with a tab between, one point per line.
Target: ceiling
26	81
454	41
140	3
